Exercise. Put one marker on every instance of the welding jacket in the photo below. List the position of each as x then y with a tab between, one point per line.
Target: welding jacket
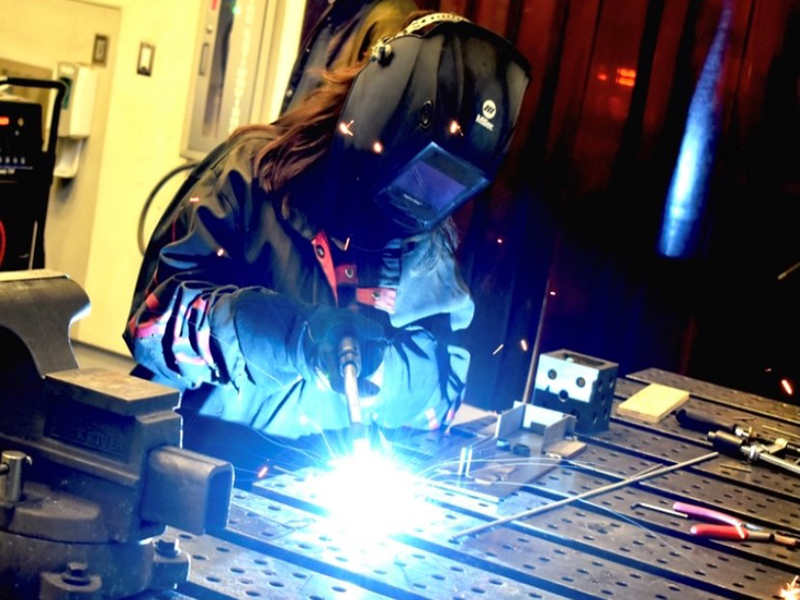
224	249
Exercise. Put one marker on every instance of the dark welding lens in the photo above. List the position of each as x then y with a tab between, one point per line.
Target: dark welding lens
431	187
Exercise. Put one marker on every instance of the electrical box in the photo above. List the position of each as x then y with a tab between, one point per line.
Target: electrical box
77	112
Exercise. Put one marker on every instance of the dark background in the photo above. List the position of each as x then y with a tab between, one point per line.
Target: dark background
576	215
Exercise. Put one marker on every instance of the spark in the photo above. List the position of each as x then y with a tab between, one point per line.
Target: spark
345	128
221	252
602	77
496	350
787	387
500	241
346	244
194	199
792	590
524	344
377	148
455	128
371	495
552	293
262	472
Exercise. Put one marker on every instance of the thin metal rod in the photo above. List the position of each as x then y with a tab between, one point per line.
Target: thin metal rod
530	382
788	271
589	494
781	432
659	509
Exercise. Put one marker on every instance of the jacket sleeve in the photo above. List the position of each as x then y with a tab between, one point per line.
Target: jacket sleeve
191	321
422	378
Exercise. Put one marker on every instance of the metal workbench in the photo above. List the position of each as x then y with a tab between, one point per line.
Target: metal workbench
280	544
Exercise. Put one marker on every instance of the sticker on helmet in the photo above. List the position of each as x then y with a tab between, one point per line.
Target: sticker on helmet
489	110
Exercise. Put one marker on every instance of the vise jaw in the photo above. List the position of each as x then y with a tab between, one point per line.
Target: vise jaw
97	470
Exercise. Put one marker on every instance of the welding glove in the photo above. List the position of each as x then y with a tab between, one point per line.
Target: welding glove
327	327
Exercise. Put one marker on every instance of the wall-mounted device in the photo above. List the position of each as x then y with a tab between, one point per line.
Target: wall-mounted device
26	172
225	72
76	116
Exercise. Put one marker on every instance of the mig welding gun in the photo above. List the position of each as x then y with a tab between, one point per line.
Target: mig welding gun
347	346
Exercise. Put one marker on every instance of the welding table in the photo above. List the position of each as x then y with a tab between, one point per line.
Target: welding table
280	544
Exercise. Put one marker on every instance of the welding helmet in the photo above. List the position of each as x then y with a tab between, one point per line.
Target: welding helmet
424	128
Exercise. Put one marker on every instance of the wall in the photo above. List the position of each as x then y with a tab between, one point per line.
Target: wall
144	129
136	138
146	121
39	33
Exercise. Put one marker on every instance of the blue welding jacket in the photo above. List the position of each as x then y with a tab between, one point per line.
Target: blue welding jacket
226	288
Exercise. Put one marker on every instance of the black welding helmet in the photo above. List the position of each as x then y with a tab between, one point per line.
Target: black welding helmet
424	128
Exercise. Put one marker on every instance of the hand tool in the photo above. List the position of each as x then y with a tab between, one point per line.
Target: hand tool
705	423
733	528
754	452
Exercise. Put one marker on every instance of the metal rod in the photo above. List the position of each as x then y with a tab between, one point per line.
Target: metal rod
789	271
779	463
781	432
589	494
530	382
660	509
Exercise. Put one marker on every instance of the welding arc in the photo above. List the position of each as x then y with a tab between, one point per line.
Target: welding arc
606	488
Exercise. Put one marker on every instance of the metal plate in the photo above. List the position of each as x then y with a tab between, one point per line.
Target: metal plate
646	443
390	566
571	547
607	547
223	570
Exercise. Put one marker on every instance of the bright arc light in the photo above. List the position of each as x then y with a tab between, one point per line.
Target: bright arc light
791	591
370	496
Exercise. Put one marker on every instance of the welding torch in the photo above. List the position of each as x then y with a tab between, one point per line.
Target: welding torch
350	369
734	440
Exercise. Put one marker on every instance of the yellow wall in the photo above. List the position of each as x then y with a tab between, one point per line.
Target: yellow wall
143	142
136	139
40	33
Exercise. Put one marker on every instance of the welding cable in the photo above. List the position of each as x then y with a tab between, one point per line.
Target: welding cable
2	243
151	196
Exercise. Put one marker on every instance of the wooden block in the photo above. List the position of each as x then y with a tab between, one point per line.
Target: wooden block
653	403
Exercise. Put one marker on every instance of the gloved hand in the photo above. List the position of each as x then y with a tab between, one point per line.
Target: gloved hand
327	327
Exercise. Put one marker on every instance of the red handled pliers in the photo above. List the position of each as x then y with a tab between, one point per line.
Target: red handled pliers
732	528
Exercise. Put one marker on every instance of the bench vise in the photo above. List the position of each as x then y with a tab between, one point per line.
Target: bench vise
91	468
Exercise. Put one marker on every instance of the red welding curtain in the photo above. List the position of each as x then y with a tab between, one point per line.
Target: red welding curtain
576	214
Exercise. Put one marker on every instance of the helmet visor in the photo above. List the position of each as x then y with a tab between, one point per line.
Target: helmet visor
432	186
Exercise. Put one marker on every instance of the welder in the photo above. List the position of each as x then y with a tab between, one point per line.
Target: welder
332	223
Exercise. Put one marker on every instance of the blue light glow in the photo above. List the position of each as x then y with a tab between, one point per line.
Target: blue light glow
688	188
371	495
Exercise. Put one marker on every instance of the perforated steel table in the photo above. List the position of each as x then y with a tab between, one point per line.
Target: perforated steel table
280	544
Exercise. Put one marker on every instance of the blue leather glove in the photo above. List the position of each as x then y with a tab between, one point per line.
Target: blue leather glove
327	327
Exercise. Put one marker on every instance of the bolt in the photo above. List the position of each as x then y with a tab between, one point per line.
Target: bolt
167	547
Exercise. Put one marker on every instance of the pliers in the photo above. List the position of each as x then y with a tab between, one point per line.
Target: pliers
732	528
